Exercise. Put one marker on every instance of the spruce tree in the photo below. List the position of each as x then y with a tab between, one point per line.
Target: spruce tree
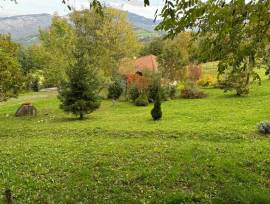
79	94
156	111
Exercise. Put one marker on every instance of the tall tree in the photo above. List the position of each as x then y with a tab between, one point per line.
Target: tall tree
10	70
175	56
55	51
79	93
240	31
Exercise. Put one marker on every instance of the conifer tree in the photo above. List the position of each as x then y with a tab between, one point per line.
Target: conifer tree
79	94
156	111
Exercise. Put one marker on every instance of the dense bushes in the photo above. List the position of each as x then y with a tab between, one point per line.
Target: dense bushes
264	127
142	100
115	89
191	91
133	92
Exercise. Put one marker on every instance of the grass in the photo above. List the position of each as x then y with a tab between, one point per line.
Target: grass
202	151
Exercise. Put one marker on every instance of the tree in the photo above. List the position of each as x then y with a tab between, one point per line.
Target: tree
55	52
156	112
239	32
10	76
10	70
79	94
174	57
153	48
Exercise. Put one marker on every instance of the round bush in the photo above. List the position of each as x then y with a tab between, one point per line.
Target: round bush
133	93
264	127
115	90
142	100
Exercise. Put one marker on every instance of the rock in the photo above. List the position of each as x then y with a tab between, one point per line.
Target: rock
26	109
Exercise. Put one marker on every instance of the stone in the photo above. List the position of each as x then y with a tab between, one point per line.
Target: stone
26	109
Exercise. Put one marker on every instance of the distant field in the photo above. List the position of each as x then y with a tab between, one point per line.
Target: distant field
202	151
210	68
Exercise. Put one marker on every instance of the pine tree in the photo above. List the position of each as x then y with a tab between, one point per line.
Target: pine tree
79	94
156	111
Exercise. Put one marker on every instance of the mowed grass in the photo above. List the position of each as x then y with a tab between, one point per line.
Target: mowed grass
202	151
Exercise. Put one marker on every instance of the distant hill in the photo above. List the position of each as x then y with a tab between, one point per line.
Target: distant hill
25	28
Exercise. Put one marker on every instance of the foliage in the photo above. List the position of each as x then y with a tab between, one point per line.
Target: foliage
153	48
207	80
79	94
111	36
153	88
133	92
237	81
191	91
175	57
239	31
11	80
142	100
115	89
264	127
35	86
156	112
55	54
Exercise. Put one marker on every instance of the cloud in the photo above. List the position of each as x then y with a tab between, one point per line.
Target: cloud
9	8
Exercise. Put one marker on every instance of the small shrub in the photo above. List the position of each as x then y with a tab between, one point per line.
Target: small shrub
153	90
115	89
207	80
156	111
191	91
168	92
133	92
142	100
35	86
264	127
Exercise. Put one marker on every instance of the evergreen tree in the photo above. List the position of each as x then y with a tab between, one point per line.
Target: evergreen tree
156	111
79	94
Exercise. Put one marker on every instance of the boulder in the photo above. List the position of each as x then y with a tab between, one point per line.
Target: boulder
26	109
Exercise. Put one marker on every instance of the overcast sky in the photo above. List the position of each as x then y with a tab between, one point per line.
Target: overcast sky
8	8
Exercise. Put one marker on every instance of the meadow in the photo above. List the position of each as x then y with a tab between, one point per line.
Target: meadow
202	151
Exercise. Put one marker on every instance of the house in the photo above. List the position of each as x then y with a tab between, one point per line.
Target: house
139	66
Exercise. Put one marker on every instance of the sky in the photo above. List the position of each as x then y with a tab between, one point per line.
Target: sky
8	8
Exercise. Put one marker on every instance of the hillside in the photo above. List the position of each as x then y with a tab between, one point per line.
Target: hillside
24	29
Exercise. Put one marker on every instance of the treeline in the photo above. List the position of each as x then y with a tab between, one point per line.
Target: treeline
109	37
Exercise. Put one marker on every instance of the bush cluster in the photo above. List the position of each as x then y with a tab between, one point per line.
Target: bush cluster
191	91
142	100
264	127
115	89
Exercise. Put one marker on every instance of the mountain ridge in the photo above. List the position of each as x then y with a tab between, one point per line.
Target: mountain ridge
24	29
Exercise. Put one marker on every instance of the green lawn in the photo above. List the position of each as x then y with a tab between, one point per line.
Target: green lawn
202	151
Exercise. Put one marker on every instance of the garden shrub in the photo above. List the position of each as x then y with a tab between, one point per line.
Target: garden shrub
133	92
153	90
156	111
115	89
191	91
35	86
142	100
264	127
168	92
207	80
